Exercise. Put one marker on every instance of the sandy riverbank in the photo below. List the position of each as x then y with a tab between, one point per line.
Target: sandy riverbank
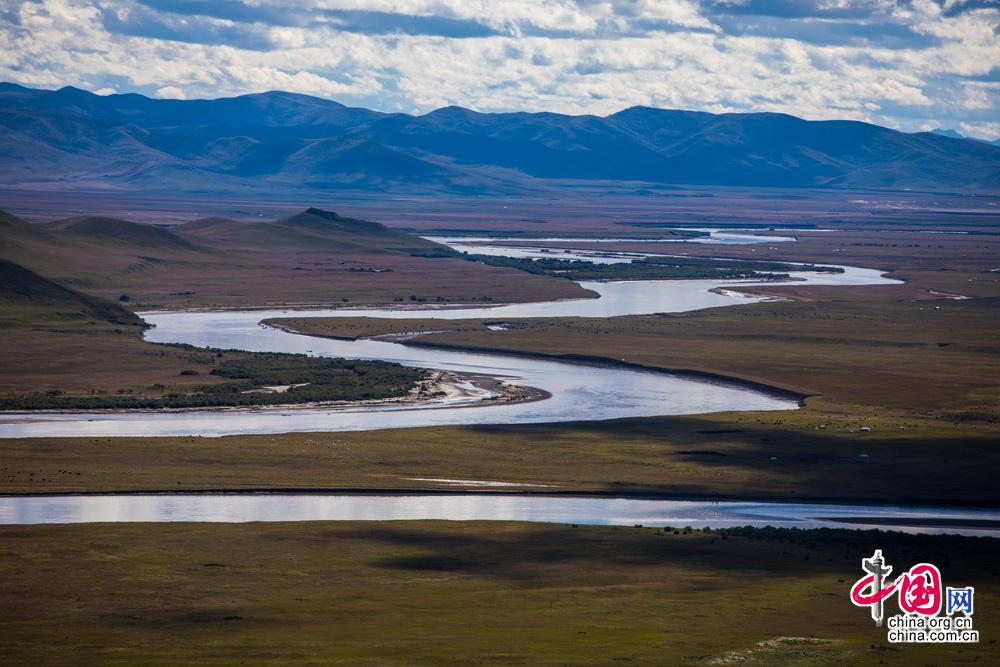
438	390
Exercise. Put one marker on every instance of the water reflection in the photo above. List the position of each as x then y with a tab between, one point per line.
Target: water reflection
578	392
715	235
239	508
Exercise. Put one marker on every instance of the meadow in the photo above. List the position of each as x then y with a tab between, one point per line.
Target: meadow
759	455
69	289
937	357
463	593
916	368
302	259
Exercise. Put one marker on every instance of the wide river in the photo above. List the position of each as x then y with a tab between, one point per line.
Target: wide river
578	391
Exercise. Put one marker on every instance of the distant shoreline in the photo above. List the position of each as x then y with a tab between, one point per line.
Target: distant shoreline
570	493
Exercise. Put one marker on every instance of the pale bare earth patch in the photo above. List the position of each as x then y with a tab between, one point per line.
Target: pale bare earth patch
786	651
478	483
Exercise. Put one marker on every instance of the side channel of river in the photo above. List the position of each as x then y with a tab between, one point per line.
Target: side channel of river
243	507
577	391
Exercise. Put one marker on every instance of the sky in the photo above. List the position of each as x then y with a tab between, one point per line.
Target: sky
907	64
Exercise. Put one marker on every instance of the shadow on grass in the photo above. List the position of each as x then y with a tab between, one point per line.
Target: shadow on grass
798	462
541	553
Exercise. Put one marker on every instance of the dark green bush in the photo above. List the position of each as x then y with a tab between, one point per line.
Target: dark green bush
319	379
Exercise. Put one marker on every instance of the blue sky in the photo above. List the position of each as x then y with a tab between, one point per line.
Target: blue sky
909	64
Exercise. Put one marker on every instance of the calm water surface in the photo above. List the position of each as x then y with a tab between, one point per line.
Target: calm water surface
715	236
578	391
239	508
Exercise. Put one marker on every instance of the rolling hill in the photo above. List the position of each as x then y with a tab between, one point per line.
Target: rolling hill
310	257
287	142
93	252
25	294
309	231
98	252
118	232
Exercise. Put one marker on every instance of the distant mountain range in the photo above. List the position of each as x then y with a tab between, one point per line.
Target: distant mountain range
284	141
954	134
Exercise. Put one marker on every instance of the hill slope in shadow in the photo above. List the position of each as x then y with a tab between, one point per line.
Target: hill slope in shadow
26	295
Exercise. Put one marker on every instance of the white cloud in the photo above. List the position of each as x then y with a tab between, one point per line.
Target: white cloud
171	93
986	130
590	56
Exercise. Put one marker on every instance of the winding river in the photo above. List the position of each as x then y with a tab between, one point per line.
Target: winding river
579	391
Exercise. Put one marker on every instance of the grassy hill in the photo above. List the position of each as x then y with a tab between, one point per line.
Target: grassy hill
67	350
26	296
11	222
310	257
118	232
63	349
94	253
68	340
306	231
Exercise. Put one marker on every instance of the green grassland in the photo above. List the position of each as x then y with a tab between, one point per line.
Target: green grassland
27	298
921	374
67	289
449	593
860	351
57	339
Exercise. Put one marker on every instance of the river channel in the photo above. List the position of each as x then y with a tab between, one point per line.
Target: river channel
578	391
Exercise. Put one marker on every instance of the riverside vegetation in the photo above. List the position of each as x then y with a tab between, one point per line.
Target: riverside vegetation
651	268
251	379
67	289
65	349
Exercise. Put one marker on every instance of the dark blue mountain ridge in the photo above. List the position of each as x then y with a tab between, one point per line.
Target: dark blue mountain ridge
286	141
955	134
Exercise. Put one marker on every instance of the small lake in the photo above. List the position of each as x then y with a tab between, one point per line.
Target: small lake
246	507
